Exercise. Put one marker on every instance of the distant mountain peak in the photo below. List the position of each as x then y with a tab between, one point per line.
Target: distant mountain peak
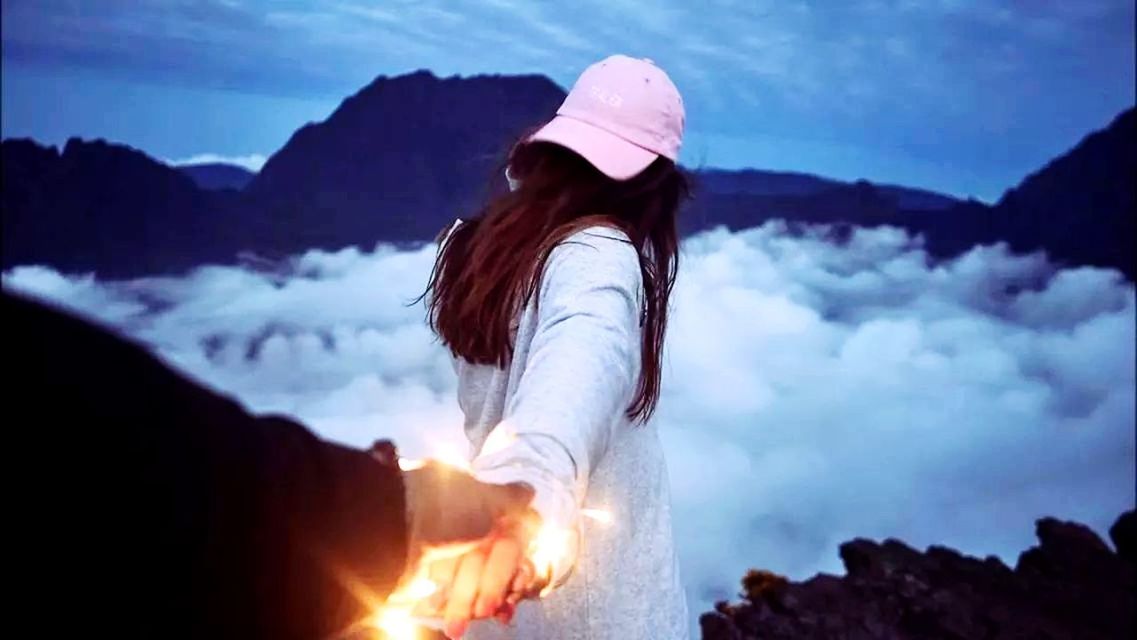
424	80
1103	148
102	207
1081	206
404	154
795	183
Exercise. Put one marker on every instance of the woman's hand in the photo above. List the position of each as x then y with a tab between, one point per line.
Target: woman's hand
477	535
487	579
483	582
486	582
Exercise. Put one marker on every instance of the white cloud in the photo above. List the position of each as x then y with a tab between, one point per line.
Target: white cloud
813	393
253	162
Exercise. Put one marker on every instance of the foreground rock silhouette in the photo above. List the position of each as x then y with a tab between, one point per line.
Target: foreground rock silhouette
1072	585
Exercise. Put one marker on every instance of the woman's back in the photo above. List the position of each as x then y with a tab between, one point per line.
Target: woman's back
625	583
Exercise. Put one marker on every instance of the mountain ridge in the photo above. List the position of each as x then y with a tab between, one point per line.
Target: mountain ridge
400	158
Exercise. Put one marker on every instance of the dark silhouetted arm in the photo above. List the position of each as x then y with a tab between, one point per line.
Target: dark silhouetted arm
153	507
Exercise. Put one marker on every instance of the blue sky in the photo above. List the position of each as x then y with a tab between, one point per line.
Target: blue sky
961	96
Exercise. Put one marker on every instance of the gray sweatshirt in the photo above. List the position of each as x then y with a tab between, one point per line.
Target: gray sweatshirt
558	413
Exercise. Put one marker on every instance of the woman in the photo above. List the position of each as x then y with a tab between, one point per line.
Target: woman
553	302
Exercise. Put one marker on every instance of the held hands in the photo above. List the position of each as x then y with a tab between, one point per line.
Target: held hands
473	537
486	582
447	506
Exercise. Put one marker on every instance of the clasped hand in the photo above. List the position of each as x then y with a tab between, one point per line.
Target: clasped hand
472	539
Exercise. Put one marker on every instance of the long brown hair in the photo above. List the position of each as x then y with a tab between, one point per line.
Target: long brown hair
492	263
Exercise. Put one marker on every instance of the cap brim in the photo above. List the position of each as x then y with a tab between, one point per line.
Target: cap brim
612	155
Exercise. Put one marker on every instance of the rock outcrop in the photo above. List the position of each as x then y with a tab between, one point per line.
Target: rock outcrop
1072	585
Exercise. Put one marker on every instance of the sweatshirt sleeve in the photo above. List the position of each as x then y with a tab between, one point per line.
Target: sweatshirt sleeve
578	379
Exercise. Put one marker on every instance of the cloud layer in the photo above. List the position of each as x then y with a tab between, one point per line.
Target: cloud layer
812	392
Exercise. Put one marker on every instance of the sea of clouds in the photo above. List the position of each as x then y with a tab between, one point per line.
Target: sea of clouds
814	390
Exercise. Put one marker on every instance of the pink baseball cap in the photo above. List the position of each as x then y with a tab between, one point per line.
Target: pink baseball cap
621	115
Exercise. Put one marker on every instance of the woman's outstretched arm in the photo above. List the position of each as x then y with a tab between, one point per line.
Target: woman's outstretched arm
579	376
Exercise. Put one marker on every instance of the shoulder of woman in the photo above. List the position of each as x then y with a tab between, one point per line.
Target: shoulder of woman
595	254
599	244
